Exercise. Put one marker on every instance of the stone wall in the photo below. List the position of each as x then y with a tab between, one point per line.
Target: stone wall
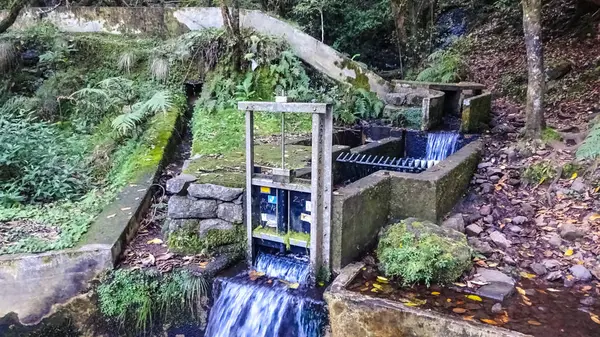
174	21
476	113
212	215
430	101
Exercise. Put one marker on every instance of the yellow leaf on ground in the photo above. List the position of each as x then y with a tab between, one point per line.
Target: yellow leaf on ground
569	252
364	289
595	318
532	322
552	290
597	189
382	279
527	275
574	176
254	275
293	285
459	310
435	293
586	288
155	241
378	286
411	304
595	217
374	290
521	291
474	298
458	284
489	321
448	300
468	318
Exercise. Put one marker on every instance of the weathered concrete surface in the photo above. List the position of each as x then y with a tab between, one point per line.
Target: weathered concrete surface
476	113
356	315
360	210
433	110
431	194
174	21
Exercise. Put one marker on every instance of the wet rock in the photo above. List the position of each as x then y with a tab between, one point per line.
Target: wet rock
538	269
184	208
480	246
456	222
487	188
485	210
515	229
570	232
497	308
500	239
551	264
555	240
578	185
519	220
473	230
500	285
580	273
554	276
179	184
210	191
231	212
587	301
214	224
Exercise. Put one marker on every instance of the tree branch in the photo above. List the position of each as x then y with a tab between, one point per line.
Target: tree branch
13	13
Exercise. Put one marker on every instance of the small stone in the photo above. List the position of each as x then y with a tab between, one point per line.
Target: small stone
551	264
485	210
487	188
488	219
214	224
555	240
519	220
484	165
494	171
570	232
179	184
492	275
480	246
509	260
210	191
515	229
456	222
500	239
527	210
578	185
512	155
473	230
499	284
494	179
514	181
538	269
580	273
554	275
497	308
587	301
231	212
596	272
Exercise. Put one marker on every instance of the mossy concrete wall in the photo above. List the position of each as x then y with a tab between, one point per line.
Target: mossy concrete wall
353	314
359	211
431	194
174	21
476	113
32	285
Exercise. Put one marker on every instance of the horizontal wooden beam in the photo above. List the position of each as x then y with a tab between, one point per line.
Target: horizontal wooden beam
319	108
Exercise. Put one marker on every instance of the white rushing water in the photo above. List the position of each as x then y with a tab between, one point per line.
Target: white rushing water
441	144
289	268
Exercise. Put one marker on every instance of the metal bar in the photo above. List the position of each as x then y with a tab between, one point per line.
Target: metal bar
275	184
249	173
283	140
327	188
315	108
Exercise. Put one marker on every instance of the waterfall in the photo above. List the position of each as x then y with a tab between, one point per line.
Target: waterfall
441	144
289	268
247	308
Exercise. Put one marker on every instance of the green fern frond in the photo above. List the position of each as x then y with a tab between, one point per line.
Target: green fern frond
590	148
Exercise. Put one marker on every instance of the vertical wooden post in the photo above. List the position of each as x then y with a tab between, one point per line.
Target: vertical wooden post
249	173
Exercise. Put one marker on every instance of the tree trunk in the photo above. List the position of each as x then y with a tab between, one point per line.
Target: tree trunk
399	13
12	15
532	28
231	21
322	25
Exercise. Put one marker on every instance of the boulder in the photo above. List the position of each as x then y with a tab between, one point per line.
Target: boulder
455	222
551	264
499	284
570	232
179	184
231	212
474	230
500	240
538	268
210	224
184	208
580	273
421	251
211	191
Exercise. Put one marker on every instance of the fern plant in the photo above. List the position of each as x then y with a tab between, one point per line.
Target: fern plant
444	66
159	69
126	62
133	115
590	148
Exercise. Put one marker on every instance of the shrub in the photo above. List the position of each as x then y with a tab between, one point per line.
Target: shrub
538	173
423	252
140	298
590	148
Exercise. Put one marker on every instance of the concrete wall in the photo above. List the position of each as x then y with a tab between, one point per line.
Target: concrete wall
174	21
476	113
360	210
353	314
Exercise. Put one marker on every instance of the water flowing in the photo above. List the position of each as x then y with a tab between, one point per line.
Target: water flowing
247	308
441	144
289	268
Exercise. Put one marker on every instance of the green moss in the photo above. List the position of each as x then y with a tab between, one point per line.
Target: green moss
423	253
286	237
187	241
550	135
361	81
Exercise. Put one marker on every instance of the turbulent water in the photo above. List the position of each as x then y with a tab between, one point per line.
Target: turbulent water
247	308
441	144
289	268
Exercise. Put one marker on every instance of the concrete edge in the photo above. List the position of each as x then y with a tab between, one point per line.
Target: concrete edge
347	275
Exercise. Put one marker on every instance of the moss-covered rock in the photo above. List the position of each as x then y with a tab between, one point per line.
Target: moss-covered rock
421	251
188	239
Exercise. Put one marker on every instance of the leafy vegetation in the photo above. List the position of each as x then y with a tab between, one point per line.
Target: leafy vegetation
446	65
141	298
539	173
590	148
422	255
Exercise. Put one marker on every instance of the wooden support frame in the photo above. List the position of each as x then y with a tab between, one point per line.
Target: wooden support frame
321	175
